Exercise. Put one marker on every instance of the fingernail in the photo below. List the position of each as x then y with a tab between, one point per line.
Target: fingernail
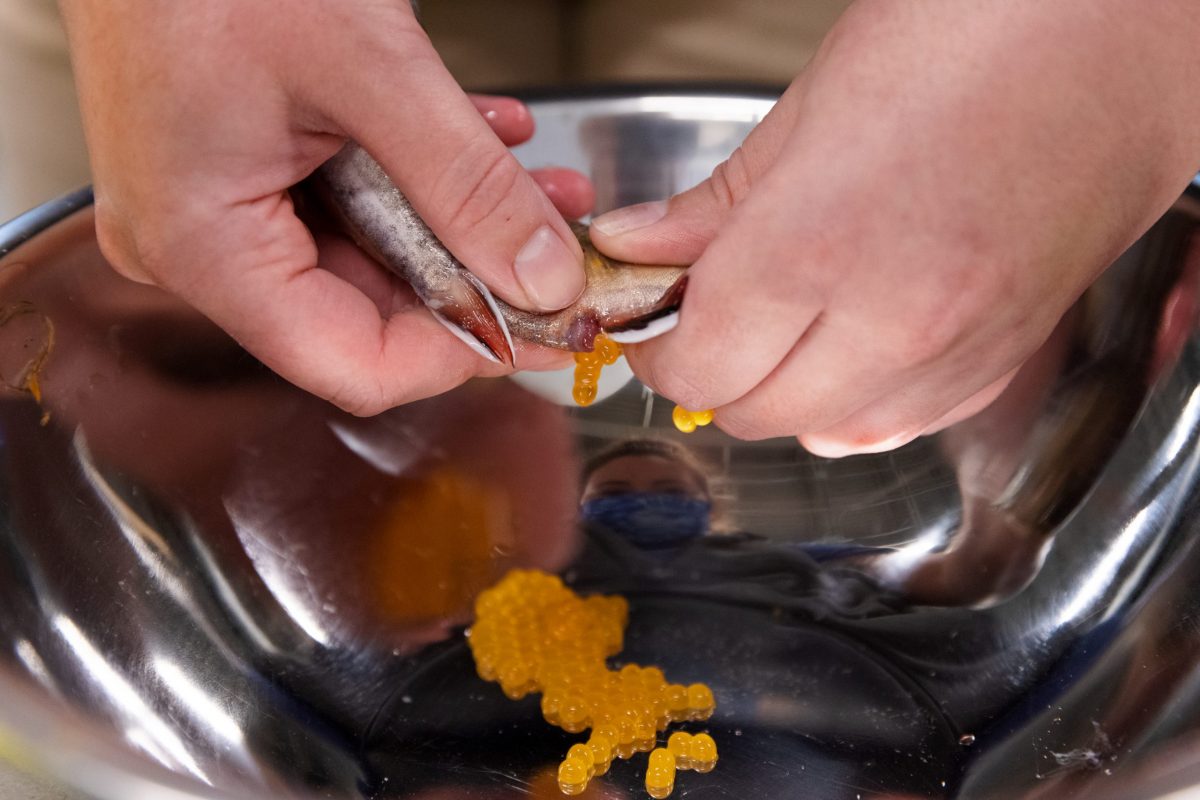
630	218
834	448
549	272
825	448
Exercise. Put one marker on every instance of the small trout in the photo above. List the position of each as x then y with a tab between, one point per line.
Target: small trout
628	302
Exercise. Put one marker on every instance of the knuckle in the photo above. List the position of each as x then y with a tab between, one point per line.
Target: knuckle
355	406
149	244
914	344
116	243
358	400
469	196
368	407
782	410
866	434
370	390
679	385
945	314
731	180
881	433
747	427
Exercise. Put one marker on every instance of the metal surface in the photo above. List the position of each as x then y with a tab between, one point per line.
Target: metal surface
214	586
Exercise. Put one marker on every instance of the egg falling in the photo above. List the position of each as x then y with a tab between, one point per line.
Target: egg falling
606	352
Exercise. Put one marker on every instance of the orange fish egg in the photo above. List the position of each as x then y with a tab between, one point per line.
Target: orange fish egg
583	754
700	701
703	752
607	350
572	776
602	752
677	702
680	745
660	774
584	395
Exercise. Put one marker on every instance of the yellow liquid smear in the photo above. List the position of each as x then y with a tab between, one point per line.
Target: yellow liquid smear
533	634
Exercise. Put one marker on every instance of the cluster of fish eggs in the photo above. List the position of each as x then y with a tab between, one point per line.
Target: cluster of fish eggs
606	352
533	634
688	421
588	365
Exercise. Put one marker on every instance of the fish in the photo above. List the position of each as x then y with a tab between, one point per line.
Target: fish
627	302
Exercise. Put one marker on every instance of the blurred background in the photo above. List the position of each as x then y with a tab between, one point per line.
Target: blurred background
489	46
42	154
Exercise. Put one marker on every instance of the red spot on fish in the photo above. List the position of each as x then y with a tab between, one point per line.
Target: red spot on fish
582	332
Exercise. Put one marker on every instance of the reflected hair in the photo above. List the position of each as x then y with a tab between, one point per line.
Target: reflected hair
659	448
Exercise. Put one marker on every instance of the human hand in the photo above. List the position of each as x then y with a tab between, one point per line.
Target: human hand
200	117
911	220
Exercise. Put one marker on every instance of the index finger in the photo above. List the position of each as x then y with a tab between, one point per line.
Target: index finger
316	329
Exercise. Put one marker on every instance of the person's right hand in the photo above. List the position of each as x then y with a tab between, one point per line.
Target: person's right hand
916	214
199	117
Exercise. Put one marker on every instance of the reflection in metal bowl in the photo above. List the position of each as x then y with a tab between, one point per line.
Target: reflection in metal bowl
214	585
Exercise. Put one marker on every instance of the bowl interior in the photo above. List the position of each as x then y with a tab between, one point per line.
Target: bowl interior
216	585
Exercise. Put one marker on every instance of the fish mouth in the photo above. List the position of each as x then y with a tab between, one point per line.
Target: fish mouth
664	316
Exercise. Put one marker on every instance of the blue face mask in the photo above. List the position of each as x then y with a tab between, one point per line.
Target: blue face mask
650	521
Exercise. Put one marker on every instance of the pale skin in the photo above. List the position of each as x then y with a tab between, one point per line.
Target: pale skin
199	117
898	236
919	210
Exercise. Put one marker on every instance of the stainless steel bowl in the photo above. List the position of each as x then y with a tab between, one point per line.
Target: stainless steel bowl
215	586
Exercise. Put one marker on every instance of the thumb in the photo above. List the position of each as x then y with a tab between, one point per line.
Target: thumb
674	231
678	230
405	109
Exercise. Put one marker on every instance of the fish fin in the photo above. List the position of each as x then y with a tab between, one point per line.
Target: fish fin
663	317
473	315
655	327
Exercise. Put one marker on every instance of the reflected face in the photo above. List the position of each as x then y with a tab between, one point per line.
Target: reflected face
643	474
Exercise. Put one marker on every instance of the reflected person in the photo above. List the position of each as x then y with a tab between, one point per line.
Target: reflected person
653	492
